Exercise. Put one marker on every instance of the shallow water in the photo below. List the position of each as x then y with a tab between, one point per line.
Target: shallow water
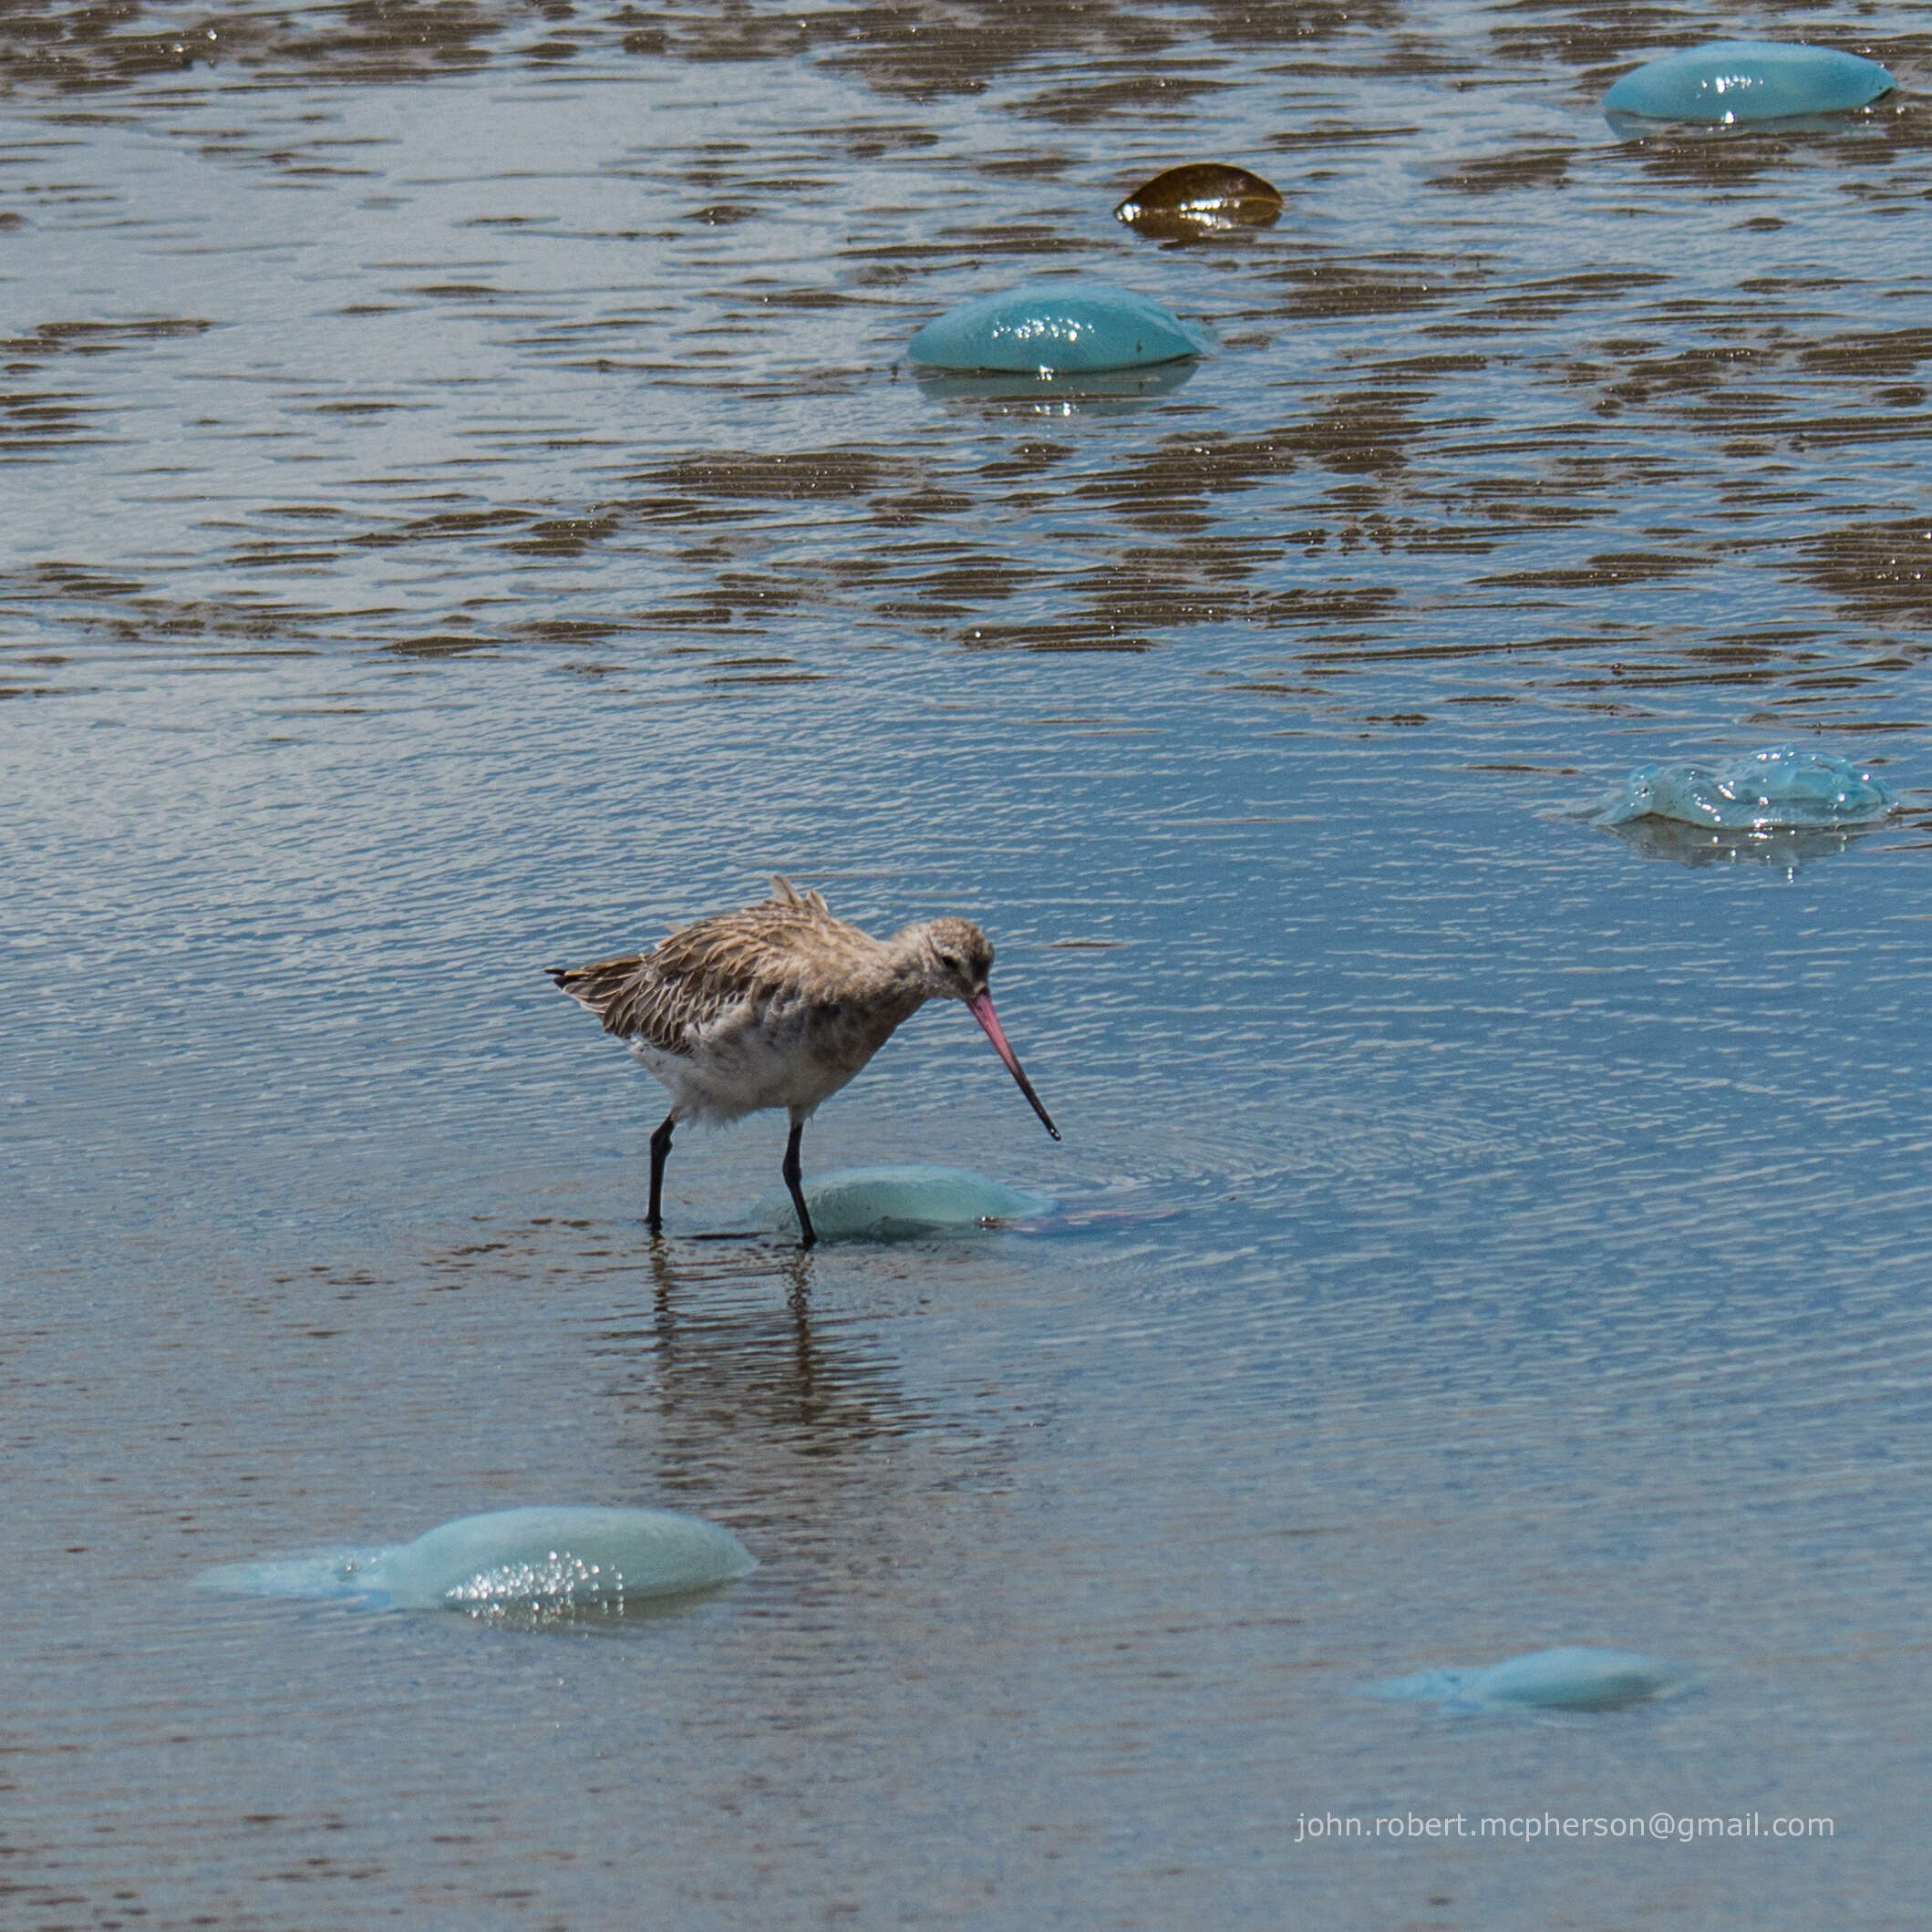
468	508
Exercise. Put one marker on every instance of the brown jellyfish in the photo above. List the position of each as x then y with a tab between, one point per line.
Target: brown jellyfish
1200	199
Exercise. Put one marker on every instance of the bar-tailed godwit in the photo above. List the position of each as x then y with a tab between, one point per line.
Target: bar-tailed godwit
779	1006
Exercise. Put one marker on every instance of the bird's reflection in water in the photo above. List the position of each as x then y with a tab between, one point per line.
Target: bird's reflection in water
1788	850
788	1424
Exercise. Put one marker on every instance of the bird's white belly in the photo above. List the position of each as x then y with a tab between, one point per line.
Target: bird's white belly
747	1060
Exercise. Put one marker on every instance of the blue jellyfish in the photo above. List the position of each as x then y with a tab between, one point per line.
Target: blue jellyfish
1782	788
1056	328
1746	80
879	1204
1570	1677
544	1561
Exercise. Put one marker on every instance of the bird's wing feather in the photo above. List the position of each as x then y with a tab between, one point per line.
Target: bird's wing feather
790	945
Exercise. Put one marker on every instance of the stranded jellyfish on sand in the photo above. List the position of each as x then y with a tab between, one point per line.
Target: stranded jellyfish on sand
1781	789
543	1562
1200	199
1572	1678
1054	328
1745	80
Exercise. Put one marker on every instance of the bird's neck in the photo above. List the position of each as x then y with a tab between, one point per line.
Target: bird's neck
906	983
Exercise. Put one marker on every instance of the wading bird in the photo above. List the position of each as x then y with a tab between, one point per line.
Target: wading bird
779	1006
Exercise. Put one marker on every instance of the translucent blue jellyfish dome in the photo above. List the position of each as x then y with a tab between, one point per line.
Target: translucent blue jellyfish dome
1782	787
1074	326
1748	80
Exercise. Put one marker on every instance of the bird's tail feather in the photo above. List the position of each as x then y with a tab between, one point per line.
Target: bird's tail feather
599	984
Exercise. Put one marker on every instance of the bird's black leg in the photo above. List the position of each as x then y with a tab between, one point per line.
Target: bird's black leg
661	1147
793	1174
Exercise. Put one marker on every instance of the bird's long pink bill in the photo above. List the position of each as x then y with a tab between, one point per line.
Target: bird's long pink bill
981	1007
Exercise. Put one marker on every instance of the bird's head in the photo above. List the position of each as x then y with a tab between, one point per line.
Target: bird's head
954	958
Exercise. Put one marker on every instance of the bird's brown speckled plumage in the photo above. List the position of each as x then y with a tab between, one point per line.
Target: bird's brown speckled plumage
778	1005
788	947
